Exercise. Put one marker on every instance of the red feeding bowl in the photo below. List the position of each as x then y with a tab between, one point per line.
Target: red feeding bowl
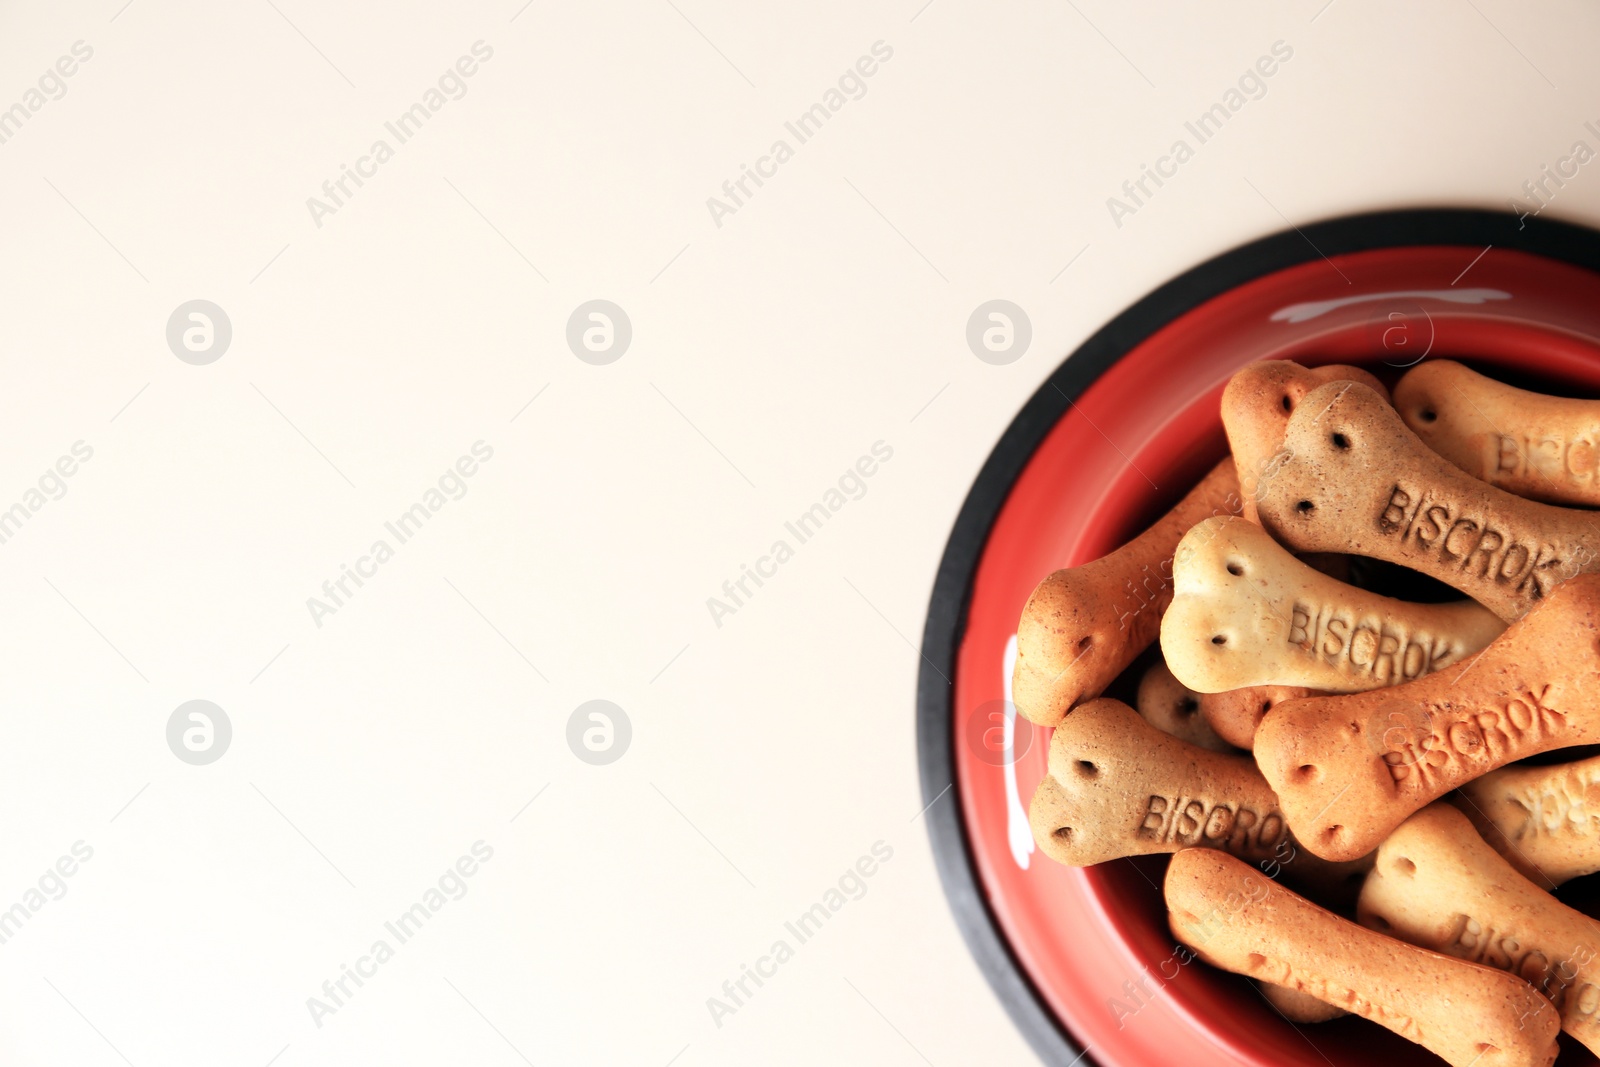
1083	958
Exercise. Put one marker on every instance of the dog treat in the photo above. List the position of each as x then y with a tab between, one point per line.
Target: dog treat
1537	446
1358	481
1256	405
1117	786
1245	612
1082	626
1544	820
1467	1013
1234	715
1120	787
1349	769
1299	1007
1438	885
1174	709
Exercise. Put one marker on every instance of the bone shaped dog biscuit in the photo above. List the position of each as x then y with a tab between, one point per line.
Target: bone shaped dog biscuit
1256	404
1438	885
1117	786
1537	446
1356	480
1467	1013
1235	715
1245	612
1228	720
1349	769
1544	820
1082	626
1173	708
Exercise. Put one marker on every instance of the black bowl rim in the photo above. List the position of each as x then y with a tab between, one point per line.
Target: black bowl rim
952	587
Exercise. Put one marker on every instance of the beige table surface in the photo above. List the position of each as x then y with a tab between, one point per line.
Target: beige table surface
377	337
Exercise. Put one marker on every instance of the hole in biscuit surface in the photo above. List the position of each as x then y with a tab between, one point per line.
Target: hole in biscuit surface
1062	834
1219	640
1305	771
1305	507
1427	415
1331	832
1084	643
1188	706
1340	441
1405	867
1087	769
1286	403
1235	568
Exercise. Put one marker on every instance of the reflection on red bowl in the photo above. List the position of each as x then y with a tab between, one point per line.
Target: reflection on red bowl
1083	958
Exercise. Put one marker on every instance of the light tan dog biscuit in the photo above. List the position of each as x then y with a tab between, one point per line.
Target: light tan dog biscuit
1256	405
1235	714
1544	820
1358	481
1465	1012
1171	707
1117	786
1082	626
1245	612
1349	769
1438	885
1530	444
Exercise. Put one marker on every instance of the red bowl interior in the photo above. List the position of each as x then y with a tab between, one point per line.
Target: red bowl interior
1094	942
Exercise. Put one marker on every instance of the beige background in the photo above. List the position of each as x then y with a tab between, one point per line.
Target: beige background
768	354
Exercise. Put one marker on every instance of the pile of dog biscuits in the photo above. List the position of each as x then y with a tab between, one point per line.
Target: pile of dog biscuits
1343	776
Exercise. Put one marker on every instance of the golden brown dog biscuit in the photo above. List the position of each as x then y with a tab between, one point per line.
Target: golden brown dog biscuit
1256	405
1247	613
1082	626
1117	786
1544	820
1349	769
1120	787
1533	445
1356	480
1299	1007
1438	885
1235	714
1174	709
1467	1013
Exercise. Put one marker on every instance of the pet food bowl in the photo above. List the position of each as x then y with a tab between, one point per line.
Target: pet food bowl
1082	958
